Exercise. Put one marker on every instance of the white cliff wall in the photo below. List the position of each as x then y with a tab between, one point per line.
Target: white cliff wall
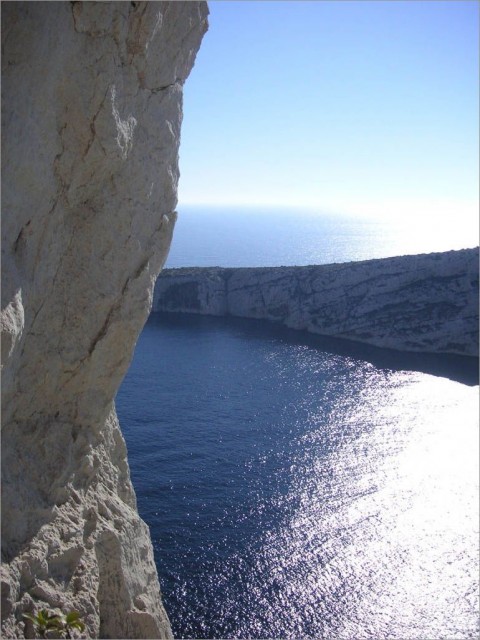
424	303
91	114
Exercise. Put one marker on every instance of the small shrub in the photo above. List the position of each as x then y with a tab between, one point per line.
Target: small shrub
53	625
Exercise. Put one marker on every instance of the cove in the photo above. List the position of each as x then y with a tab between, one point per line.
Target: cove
299	486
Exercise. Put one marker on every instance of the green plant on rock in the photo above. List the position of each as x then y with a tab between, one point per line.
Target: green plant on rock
53	625
44	622
71	621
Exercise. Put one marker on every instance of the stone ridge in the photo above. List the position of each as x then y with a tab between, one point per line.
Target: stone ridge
91	116
423	303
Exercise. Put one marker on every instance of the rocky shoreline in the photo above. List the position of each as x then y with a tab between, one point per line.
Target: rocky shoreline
421	303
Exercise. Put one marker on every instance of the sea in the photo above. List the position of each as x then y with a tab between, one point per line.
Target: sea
298	486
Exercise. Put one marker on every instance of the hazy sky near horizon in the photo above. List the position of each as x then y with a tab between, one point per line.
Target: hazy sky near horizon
350	106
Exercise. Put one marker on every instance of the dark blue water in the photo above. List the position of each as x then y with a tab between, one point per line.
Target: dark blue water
299	489
296	486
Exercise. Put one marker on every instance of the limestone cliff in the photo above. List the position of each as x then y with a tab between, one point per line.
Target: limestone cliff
425	303
91	114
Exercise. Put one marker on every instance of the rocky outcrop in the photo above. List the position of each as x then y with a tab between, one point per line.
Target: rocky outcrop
91	114
426	303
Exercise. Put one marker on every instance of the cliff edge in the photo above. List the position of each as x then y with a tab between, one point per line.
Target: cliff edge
91	115
421	303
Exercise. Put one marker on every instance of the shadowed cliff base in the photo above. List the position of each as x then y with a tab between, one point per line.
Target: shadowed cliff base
463	369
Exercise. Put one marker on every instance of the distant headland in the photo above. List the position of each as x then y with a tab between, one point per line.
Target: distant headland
418	303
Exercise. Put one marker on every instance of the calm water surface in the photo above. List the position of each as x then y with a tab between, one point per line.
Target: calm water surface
294	491
262	237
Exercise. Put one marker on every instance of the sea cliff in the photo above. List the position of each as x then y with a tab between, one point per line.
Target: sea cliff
91	116
422	303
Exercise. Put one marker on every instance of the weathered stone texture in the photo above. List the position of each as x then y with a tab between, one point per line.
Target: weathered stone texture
410	303
91	115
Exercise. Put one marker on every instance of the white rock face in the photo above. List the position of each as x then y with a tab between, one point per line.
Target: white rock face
425	303
91	115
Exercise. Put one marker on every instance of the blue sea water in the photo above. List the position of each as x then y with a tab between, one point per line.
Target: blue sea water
300	487
284	237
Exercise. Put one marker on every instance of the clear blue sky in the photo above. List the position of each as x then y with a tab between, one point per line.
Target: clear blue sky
349	106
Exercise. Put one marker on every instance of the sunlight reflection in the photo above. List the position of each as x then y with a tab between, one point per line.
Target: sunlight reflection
402	529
